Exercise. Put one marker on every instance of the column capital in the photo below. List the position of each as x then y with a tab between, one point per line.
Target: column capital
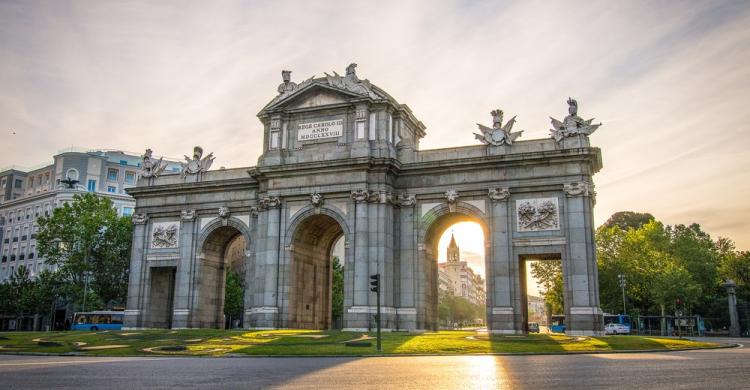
499	194
406	200
360	195
578	188
270	202
187	215
139	219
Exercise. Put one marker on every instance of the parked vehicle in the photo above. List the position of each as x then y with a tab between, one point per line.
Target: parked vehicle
615	328
533	327
558	324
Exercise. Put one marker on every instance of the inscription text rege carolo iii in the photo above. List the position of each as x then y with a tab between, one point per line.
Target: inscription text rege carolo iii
317	130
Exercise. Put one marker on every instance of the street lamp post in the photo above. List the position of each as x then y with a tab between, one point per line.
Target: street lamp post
622	286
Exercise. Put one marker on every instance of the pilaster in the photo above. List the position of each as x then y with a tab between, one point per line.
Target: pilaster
138	277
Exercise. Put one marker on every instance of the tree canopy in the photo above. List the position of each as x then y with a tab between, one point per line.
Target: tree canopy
87	237
671	267
549	274
628	220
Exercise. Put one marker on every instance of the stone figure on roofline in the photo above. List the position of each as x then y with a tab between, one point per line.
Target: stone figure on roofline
498	134
151	167
198	163
572	125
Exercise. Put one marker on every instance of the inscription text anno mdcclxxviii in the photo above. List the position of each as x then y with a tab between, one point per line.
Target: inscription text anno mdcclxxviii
317	130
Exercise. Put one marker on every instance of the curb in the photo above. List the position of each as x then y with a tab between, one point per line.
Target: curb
237	356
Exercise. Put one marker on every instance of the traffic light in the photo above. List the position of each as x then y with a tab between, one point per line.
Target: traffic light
375	283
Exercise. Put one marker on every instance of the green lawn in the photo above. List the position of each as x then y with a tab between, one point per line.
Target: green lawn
210	342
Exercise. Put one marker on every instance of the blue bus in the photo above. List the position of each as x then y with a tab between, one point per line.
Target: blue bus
98	320
557	324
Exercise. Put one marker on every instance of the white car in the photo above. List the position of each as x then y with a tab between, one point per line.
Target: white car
614	328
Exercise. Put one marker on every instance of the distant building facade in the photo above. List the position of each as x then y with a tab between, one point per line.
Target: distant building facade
457	278
27	194
537	309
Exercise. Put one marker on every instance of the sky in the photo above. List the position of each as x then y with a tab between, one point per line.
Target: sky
669	80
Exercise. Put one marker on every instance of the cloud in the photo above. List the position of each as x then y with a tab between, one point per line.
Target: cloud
668	80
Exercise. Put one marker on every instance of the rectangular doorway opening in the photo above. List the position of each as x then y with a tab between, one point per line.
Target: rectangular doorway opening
543	293
161	297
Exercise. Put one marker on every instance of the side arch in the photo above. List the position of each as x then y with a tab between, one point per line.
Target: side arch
221	244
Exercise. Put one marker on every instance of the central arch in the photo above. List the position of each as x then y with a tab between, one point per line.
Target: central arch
434	223
310	284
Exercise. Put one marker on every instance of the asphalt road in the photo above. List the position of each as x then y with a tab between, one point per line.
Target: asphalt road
724	368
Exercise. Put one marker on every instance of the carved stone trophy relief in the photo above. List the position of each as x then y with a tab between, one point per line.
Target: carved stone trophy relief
165	235
538	214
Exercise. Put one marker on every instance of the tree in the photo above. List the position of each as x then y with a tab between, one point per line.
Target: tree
457	310
234	293
655	277
337	298
736	266
628	220
694	251
549	275
45	291
86	239
21	293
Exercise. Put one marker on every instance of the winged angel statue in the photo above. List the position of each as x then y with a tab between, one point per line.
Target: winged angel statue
572	124
198	163
151	167
498	134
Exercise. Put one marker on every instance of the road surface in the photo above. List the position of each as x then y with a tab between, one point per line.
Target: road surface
723	368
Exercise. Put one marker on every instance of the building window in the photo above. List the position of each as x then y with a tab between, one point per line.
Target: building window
129	177
92	185
373	127
274	140
19	183
127	211
360	129
112	174
112	189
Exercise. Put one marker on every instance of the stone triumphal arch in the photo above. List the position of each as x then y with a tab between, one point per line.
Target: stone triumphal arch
341	161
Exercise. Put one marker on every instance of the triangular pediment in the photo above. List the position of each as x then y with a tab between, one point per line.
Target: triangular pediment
315	94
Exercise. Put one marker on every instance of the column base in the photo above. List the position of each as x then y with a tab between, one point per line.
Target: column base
585	321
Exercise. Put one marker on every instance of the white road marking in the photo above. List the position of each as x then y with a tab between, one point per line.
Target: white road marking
641	356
